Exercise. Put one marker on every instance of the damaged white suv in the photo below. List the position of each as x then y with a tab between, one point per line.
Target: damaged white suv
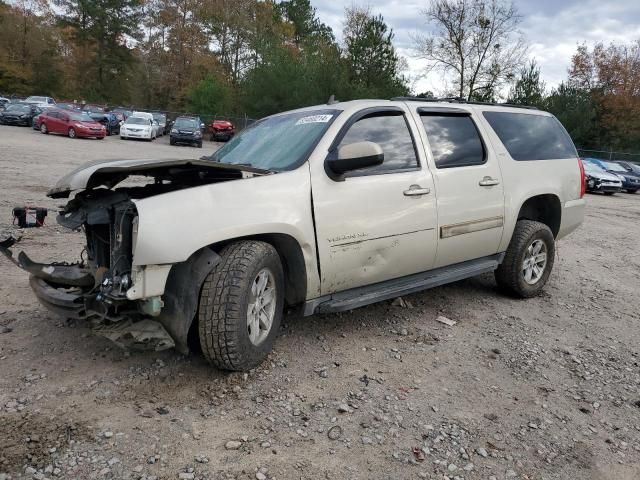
330	208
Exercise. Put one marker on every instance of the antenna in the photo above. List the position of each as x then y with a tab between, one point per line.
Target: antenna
332	100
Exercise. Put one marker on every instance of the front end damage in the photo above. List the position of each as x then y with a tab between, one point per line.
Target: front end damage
95	288
106	288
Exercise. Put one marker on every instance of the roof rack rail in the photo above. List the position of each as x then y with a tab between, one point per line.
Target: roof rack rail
459	100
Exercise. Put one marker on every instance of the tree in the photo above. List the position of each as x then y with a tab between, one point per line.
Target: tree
100	29
372	59
611	76
210	96
529	89
476	41
574	108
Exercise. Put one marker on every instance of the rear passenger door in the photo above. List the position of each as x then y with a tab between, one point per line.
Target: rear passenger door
469	189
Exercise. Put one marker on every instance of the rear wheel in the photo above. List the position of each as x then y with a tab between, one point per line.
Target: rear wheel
632	191
200	145
72	133
241	306
528	261
43	128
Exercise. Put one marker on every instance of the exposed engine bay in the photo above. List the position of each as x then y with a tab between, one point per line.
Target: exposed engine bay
95	288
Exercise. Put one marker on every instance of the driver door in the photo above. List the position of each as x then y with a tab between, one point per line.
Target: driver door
377	223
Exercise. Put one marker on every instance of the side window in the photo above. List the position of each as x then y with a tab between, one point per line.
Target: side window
531	136
391	132
454	140
52	114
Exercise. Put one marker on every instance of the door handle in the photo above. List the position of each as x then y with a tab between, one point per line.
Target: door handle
416	191
488	182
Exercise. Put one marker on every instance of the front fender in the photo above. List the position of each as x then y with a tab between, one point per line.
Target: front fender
172	226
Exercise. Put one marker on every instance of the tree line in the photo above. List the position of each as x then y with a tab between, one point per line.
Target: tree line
227	56
257	57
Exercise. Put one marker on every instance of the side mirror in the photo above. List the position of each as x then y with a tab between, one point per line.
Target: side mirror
202	125
355	156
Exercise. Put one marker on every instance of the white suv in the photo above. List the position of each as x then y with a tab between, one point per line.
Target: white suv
330	207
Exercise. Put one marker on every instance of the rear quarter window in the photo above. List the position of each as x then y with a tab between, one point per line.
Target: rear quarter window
531	137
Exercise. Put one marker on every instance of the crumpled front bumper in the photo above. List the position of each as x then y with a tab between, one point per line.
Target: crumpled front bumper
70	291
66	304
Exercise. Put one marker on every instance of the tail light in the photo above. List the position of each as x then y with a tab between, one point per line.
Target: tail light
583	178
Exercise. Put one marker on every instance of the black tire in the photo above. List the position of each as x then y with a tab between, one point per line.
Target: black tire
172	141
224	302
200	145
609	193
632	191
510	274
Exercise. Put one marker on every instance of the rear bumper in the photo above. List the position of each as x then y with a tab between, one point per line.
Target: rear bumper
572	217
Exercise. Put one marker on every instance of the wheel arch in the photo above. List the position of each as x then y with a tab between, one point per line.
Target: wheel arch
291	257
544	208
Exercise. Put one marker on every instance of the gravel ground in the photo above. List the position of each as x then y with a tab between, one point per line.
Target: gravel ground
547	388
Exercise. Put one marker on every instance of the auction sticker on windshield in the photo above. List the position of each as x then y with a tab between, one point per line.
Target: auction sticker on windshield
314	119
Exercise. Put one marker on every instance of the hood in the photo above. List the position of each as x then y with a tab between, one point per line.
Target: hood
603	176
111	172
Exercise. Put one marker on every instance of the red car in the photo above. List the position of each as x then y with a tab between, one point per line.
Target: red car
221	131
73	124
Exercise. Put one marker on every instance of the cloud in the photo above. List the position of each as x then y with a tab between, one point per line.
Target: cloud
553	28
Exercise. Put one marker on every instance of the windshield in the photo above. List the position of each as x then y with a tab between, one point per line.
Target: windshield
137	121
187	123
36	99
18	108
615	167
80	117
277	143
160	117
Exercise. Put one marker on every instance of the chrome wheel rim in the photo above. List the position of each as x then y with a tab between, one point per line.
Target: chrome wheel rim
535	262
262	306
72	133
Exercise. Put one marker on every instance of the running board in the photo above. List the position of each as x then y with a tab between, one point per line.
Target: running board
361	296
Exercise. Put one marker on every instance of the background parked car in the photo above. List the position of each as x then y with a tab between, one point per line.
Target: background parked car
40	101
35	124
122	113
19	114
69	106
3	102
187	130
161	118
221	131
105	117
140	127
599	180
629	166
630	180
72	124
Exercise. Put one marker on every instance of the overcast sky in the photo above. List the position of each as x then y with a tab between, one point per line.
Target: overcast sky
553	29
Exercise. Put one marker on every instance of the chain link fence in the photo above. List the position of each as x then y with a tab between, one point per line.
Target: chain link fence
609	155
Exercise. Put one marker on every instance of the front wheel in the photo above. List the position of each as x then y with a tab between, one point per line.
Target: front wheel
43	128
609	193
72	133
241	306
632	191
528	261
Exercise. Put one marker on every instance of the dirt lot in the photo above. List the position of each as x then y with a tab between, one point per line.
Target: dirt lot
542	389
